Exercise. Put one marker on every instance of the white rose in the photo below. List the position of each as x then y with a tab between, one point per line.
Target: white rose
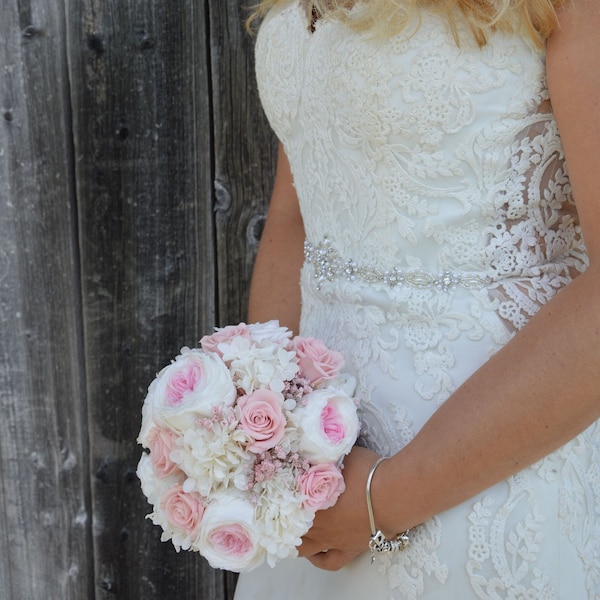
152	485
147	424
190	387
269	331
228	534
344	382
328	424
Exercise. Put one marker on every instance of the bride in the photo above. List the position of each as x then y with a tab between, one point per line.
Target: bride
423	223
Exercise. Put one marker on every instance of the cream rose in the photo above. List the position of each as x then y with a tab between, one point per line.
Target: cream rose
269	331
152	485
328	425
228	537
190	387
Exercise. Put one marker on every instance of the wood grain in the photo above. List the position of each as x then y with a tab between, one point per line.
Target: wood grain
45	522
135	165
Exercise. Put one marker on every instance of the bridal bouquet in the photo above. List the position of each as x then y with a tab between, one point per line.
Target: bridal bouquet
246	435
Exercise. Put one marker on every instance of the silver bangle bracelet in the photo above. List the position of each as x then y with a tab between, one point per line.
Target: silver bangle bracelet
378	542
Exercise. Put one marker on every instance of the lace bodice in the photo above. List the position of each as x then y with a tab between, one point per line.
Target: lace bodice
418	154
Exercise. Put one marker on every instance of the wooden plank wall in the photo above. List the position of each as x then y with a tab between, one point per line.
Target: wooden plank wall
135	164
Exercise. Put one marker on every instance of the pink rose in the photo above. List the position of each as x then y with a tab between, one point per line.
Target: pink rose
317	362
183	510
322	485
161	444
224	335
262	419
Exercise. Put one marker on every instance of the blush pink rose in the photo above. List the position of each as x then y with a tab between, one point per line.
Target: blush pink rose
224	335
322	486
317	363
161	443
262	419
183	510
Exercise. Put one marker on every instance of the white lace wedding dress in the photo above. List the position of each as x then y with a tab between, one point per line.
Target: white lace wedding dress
438	219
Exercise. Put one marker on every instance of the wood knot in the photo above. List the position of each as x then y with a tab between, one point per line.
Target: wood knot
145	42
122	132
223	199
95	43
255	229
30	32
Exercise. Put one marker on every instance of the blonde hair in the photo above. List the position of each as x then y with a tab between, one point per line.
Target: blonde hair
537	17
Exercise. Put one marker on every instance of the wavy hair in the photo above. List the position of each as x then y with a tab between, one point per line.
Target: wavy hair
536	17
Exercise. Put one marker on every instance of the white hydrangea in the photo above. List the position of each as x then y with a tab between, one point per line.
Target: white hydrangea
284	521
214	457
254	366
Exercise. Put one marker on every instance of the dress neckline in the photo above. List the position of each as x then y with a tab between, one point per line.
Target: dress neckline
311	15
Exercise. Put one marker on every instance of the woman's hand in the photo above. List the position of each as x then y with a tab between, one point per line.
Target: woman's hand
343	530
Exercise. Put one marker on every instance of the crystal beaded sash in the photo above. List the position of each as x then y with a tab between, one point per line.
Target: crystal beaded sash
329	265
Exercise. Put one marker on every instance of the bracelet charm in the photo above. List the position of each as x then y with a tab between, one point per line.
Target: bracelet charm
380	545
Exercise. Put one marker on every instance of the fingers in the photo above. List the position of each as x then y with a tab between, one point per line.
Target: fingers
309	547
323	558
332	560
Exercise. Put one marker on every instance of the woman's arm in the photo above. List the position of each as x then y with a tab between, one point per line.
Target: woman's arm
535	394
275	288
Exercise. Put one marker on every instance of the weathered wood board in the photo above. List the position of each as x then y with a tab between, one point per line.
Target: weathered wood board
135	164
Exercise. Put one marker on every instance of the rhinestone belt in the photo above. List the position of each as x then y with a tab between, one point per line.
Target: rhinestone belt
329	265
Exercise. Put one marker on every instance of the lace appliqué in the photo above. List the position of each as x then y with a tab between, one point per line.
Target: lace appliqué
576	472
535	238
511	551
